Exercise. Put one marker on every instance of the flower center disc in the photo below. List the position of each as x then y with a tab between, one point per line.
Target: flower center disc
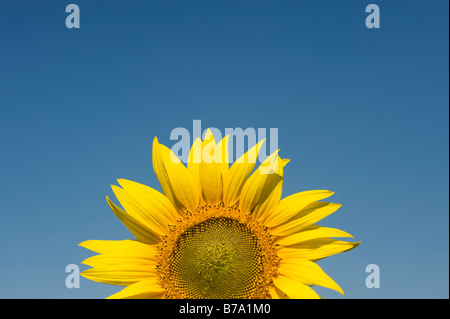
217	258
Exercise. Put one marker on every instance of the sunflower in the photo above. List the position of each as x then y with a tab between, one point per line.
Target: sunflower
217	231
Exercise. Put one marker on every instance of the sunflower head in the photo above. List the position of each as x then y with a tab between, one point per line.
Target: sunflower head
217	231
235	256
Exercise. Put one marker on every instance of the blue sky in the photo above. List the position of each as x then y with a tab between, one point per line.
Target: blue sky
363	112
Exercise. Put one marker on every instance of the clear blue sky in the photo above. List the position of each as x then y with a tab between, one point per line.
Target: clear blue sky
360	111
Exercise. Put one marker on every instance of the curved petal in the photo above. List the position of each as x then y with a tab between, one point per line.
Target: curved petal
276	293
206	163
176	181
306	217
119	274
294	289
117	259
272	202
160	172
142	213
311	232
262	191
316	249
159	205
144	289
239	173
223	156
307	272
139	229
293	204
195	158
126	248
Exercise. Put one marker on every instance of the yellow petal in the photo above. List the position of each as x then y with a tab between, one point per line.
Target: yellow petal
285	161
208	163
195	158
291	205
176	181
306	217
117	259
144	289
316	249
223	155
276	293
268	206
159	205
311	232
119	274
126	248
262	191
294	289
139	229
142	213
307	272
210	171
239	173
160	172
